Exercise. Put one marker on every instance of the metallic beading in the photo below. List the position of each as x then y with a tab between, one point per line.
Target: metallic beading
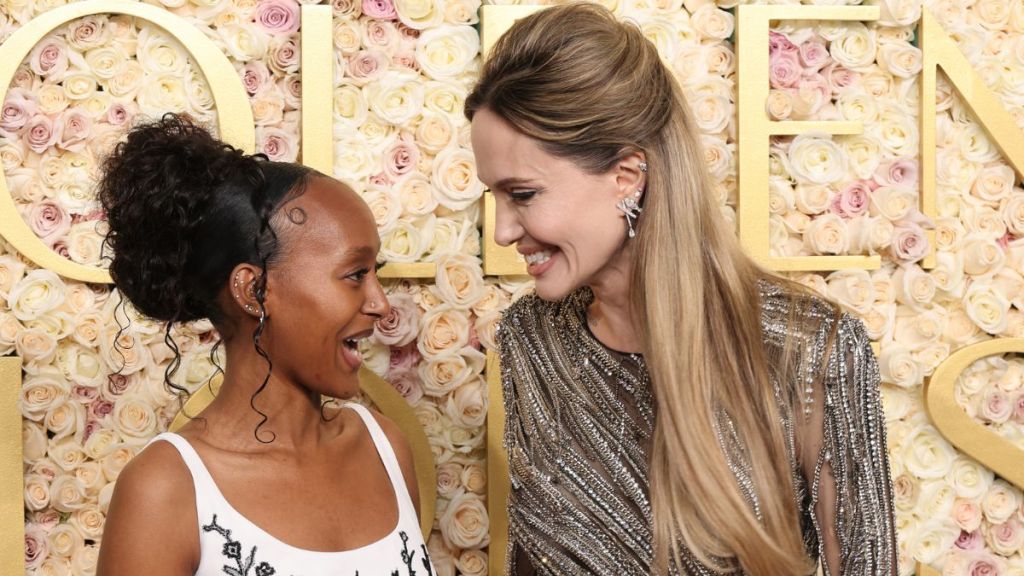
580	418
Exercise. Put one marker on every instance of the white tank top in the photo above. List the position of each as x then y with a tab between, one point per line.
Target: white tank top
232	545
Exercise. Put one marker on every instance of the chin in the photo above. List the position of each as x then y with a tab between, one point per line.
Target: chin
552	291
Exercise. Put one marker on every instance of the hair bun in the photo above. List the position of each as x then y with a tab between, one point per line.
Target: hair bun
156	186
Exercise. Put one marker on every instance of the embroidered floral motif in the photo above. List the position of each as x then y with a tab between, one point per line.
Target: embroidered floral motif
233	551
244	567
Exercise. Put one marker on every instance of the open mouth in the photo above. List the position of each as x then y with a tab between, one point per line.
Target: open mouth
350	348
539	261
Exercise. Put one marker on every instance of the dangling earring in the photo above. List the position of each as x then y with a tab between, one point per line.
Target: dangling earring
630	207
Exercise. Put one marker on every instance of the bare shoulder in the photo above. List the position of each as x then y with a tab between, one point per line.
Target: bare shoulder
153	508
403	451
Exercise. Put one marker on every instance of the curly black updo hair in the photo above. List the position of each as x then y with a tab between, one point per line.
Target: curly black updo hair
184	209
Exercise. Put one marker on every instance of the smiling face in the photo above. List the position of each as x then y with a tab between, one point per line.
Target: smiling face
323	293
560	217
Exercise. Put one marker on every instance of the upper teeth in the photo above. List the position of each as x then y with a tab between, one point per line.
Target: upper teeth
538	257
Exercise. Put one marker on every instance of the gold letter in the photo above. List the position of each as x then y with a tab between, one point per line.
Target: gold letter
12	495
233	110
756	130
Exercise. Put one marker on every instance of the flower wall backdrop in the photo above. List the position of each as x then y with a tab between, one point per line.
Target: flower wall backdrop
402	70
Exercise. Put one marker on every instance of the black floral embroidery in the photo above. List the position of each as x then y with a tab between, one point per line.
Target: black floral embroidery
233	551
244	567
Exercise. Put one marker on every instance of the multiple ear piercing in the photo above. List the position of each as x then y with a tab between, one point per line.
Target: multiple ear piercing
630	205
248	307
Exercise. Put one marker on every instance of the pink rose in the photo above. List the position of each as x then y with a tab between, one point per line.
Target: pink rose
255	77
404	357
814	55
409	36
784	69
408	384
401	157
49	57
405	59
381	34
279	145
116	385
367	65
61	248
284	57
380	179
1007	537
24	78
100	408
90	427
119	114
780	43
77	128
996	406
984	565
278	16
49	221
18	108
87	32
970	540
380	9
85	394
852	200
900	172
35	546
812	93
840	79
909	242
292	84
1018	409
401	325
40	133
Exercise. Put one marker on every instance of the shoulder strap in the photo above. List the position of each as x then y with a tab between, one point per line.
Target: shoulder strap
205	487
386	452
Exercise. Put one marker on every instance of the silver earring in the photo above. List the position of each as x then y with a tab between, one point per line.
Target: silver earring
643	167
630	207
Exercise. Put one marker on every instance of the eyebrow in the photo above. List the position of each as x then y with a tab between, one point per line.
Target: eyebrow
508	182
358	253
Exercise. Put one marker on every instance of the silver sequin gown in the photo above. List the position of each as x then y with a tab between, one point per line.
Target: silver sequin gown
580	418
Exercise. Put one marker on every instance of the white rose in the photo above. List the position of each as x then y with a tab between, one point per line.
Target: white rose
937	499
384	204
416	194
854	45
446	51
896	130
879	320
451	236
67	493
350	107
900	60
975	145
444	97
994	183
408	240
813	198
353	160
244	41
455	178
1012	210
35	294
346	35
949	234
898	367
160	54
1000	502
986	307
396	98
983	220
712	112
816	160
863	153
969	479
161	94
892	203
852	289
948	273
932	538
857	106
467	406
37	492
712	23
419	14
449	371
434	132
982	255
869	234
781	196
914	286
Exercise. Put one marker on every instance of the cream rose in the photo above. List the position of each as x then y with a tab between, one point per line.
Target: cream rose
969	479
474	478
813	198
67	493
134	418
986	307
863	154
853	46
396	98
994	183
244	41
447	372
467	406
445	329
472	563
435	132
89	521
465	523
893	203
448	475
826	234
459	279
419	14
37	492
455	178
967	514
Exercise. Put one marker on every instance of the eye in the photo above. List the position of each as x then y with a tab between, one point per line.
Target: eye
522	195
359	275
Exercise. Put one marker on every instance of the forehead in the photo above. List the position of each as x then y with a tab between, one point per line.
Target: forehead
328	217
503	152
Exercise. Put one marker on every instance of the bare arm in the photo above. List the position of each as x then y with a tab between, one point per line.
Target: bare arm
151	527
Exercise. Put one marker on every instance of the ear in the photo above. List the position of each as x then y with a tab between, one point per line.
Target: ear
242	285
631	174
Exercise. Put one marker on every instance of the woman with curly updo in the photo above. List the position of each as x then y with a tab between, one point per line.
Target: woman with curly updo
671	406
282	261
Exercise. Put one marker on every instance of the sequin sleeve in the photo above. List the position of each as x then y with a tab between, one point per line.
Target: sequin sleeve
844	459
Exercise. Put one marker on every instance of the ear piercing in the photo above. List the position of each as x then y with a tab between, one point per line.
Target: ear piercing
642	166
630	207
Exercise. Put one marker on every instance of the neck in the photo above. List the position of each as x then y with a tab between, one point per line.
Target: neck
610	315
292	411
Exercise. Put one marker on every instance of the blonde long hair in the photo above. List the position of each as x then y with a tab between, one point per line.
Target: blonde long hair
592	89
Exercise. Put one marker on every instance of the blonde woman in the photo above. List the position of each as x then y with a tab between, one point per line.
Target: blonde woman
672	407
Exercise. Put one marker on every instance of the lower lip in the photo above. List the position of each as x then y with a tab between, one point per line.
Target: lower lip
352	357
538	269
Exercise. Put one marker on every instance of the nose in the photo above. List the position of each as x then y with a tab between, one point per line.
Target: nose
507	228
376	302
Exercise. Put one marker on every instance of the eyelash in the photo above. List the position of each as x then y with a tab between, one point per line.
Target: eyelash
522	196
360	275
